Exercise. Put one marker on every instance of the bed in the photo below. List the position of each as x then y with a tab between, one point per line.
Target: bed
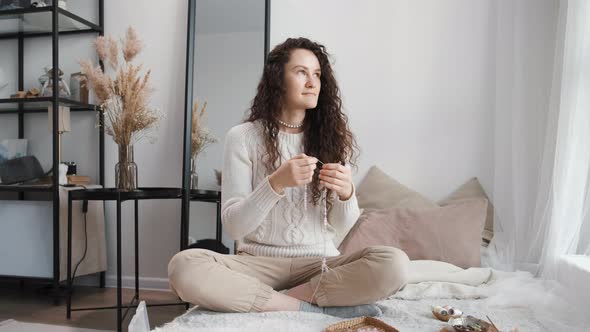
513	300
510	299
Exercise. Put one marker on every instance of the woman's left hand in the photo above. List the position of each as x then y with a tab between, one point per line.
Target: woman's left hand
338	179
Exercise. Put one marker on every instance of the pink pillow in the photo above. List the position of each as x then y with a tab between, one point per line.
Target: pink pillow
450	233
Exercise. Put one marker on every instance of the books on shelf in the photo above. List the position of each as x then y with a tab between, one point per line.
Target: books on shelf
72	179
78	179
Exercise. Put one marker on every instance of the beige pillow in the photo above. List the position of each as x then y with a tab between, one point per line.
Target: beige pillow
379	191
473	189
451	233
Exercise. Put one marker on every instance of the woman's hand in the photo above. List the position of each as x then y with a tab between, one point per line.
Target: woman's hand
295	172
338	179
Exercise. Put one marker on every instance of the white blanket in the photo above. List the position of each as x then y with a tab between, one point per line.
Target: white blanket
510	299
423	270
433	279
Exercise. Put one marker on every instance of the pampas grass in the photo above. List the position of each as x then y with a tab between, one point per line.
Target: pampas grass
200	135
124	98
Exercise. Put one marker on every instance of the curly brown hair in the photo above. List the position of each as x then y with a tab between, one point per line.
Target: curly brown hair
326	133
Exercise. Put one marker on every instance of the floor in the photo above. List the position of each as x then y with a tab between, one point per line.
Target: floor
33	303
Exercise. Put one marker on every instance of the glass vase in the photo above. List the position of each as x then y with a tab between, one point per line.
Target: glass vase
194	174
126	169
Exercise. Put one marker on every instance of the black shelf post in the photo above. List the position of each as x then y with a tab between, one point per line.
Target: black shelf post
102	276
100	114
55	144
21	84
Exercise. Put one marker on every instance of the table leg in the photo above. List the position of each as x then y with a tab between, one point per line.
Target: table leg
184	220
137	249
218	234
69	262
119	291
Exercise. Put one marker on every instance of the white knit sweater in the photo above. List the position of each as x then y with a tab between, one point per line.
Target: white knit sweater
269	224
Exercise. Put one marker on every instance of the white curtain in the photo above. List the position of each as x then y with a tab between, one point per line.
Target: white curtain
542	135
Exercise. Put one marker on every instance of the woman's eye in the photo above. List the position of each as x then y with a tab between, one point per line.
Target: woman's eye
318	75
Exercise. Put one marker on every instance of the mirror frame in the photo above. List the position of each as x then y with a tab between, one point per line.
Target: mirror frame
188	118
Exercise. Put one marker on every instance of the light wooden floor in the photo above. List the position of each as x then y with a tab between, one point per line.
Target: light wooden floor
31	303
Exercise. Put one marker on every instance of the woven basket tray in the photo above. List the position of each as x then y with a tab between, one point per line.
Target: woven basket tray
355	324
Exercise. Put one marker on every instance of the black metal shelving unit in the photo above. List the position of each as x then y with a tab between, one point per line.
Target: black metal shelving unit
53	22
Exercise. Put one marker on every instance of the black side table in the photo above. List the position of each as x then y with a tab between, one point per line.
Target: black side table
112	194
212	196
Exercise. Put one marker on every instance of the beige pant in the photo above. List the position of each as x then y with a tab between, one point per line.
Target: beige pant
242	283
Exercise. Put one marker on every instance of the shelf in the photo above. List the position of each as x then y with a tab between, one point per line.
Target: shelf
205	195
40	105
26	188
35	22
115	194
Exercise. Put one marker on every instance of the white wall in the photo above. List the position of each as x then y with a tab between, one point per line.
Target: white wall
417	79
162	27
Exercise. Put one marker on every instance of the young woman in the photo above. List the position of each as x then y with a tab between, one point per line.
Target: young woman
280	165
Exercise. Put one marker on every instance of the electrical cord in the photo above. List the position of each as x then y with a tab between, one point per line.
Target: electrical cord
85	212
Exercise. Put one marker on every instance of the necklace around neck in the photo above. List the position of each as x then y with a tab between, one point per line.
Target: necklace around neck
288	125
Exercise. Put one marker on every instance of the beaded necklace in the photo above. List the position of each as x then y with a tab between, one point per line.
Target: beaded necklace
324	199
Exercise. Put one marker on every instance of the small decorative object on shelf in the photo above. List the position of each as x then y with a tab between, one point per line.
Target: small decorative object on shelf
78	87
200	139
46	81
32	93
72	167
61	3
124	101
19	94
38	4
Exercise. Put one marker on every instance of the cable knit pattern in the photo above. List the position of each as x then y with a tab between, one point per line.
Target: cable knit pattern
265	222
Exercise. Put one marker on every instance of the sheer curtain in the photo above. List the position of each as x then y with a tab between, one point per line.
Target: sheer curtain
542	135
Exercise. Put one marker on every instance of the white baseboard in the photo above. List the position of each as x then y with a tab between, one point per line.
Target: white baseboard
160	284
144	282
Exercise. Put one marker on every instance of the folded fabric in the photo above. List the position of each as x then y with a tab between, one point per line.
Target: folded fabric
439	290
428	271
434	279
449	234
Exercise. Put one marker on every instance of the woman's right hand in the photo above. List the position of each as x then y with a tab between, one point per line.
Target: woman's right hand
295	172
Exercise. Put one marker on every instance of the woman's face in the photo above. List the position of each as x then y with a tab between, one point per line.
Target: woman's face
302	80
